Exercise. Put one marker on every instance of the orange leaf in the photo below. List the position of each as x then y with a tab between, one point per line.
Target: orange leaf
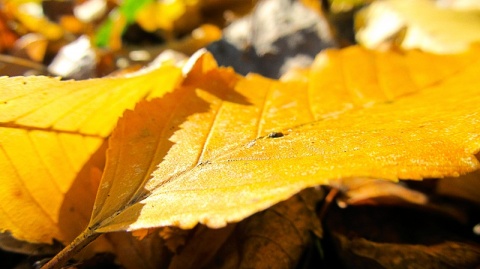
221	147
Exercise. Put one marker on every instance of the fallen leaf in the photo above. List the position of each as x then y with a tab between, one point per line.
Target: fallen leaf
150	252
31	46
276	237
462	5
394	237
417	24
51	135
32	21
166	20
16	66
222	147
364	191
222	159
72	106
201	247
357	191
466	187
170	17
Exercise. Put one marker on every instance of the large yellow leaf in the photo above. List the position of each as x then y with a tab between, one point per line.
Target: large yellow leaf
51	137
222	147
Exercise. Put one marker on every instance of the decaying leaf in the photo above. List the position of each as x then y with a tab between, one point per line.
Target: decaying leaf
466	187
394	237
150	252
277	236
51	136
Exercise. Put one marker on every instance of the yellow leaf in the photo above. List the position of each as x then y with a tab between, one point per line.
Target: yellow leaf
76	106
51	136
34	22
222	147
170	16
418	24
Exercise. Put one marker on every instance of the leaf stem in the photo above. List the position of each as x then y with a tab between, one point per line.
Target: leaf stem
85	238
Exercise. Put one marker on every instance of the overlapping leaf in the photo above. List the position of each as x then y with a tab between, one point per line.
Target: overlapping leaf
51	136
229	146
421	24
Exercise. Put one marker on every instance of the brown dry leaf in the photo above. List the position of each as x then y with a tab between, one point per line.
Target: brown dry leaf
201	247
16	66
465	187
395	237
51	136
149	253
233	146
448	254
275	237
31	46
357	191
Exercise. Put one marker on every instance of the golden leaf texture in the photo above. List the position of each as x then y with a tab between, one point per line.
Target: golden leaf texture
51	137
222	147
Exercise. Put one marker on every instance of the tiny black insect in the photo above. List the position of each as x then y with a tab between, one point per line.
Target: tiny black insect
275	134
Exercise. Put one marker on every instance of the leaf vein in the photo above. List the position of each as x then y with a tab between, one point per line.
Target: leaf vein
24	187
48	129
209	135
263	111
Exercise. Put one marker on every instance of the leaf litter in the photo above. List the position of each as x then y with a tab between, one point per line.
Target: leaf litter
423	76
186	164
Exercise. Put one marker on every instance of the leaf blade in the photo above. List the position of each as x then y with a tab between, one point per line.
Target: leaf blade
226	180
51	132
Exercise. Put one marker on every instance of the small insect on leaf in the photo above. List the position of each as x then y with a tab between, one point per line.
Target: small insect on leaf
275	134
